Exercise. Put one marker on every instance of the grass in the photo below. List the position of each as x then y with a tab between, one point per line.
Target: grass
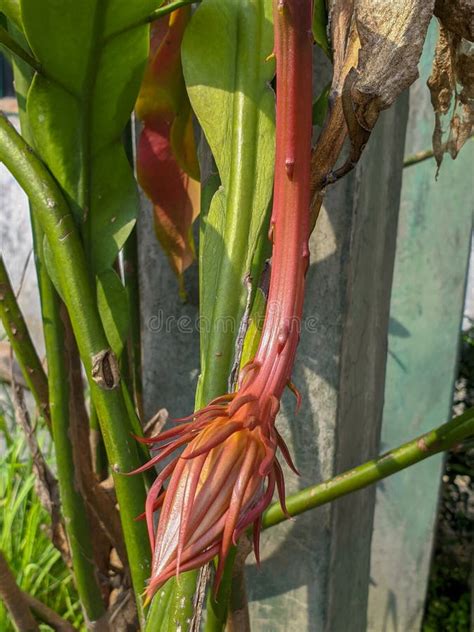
36	564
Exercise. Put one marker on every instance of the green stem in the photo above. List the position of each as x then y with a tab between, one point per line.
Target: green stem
438	440
99	362
421	156
99	456
25	352
7	41
172	6
218	605
72	503
181	605
433	442
160	607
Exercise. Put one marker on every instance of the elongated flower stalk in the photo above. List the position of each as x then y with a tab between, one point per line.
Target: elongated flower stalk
227	474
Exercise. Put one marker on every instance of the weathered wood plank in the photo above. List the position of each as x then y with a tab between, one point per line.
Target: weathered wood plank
427	301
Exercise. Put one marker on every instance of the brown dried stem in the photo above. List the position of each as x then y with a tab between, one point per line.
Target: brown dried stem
14	600
46	485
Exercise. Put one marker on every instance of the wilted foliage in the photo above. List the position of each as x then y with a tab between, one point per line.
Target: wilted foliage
376	50
452	79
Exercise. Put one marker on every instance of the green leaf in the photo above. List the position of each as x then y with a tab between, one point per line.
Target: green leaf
320	106
77	117
11	8
227	73
112	301
93	55
320	23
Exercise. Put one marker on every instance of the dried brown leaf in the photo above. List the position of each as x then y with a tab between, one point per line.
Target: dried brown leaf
46	485
457	16
451	86
122	611
155	425
14	600
345	45
391	34
376	49
6	365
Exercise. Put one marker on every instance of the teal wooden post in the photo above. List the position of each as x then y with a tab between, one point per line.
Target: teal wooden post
434	235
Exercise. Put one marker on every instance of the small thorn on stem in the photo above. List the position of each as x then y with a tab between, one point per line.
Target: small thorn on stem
283	336
270	231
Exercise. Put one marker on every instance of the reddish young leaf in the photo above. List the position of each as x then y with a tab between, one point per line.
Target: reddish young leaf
167	166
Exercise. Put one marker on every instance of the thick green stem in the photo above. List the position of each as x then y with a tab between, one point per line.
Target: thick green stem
158	615
99	456
438	440
181	605
99	362
25	352
218	605
7	42
72	503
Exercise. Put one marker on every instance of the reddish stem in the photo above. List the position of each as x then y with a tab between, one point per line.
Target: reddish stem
217	487
290	217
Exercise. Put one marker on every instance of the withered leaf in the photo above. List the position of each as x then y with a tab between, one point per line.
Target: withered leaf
392	34
457	16
340	26
345	45
376	49
451	86
46	485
